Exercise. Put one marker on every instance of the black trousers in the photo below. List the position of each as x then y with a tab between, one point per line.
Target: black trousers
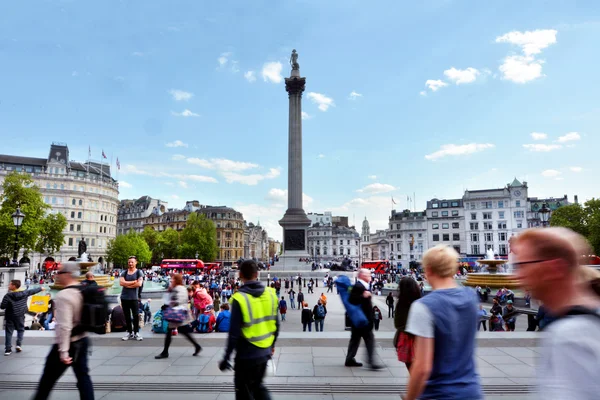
54	369
182	330
390	311
248	380
367	335
130	308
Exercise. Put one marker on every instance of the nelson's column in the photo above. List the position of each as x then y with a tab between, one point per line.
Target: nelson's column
295	222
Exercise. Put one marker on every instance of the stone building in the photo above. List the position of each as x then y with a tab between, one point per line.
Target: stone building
407	236
328	241
84	192
373	246
230	232
446	224
534	205
274	248
256	242
132	214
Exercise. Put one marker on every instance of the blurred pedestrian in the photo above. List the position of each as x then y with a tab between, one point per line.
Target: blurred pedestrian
408	293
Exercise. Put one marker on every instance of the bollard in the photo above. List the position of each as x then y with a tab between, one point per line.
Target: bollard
304	282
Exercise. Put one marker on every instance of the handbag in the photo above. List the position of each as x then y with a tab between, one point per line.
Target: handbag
175	314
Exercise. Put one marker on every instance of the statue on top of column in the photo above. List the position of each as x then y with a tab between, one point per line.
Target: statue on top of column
294	61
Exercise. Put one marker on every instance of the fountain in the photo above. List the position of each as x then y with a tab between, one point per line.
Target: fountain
85	264
491	277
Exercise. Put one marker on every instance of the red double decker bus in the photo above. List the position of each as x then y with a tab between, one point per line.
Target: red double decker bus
379	266
183	265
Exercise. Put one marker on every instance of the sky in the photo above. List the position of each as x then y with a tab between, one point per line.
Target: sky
403	99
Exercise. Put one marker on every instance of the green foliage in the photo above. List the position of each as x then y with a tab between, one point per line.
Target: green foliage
152	238
584	220
199	236
18	190
168	244
51	234
122	247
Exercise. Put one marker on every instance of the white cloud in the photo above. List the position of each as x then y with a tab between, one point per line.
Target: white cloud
123	184
132	169
459	76
137	54
521	69
185	113
174	196
271	72
250	180
530	42
279	197
180	95
199	178
306	115
224	59
525	68
321	100
569	137
177	143
539	147
354	95
373	177
183	184
576	169
250	76
376	188
550	173
538	136
222	164
321	156
177	157
435	85
423	93
458	150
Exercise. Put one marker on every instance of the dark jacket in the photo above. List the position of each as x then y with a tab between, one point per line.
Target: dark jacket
306	316
244	350
389	300
15	303
300	297
89	282
314	311
356	297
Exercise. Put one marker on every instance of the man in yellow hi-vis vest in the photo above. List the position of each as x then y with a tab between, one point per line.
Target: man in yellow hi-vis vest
252	333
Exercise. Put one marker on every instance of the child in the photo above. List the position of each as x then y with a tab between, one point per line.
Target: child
223	319
377	317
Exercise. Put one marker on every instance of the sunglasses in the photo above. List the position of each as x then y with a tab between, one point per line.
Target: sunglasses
133	257
518	264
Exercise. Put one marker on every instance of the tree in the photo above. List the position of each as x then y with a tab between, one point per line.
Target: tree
122	247
168	244
584	220
19	190
152	238
51	234
199	236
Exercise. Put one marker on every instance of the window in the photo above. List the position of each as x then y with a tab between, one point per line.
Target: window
93	242
446	237
502	236
80	202
100	229
487	215
72	214
436	237
435	205
474	237
474	249
445	205
456	236
473	216
455	225
455	213
519	224
71	227
399	236
488	226
420	235
472	206
398	226
501	214
454	204
502	250
501	204
444	213
434	213
518	203
318	242
501	224
486	204
78	228
435	226
70	241
488	237
445	226
519	214
474	226
79	215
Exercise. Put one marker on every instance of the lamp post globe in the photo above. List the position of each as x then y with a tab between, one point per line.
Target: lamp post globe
17	218
544	214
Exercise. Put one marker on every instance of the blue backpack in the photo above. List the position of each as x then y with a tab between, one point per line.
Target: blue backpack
159	324
203	321
355	313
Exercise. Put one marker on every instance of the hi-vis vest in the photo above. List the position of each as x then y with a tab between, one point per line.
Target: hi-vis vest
259	316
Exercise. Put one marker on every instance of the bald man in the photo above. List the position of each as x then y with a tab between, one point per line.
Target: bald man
360	295
89	279
548	264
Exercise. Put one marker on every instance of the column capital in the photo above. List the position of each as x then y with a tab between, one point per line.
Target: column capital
295	85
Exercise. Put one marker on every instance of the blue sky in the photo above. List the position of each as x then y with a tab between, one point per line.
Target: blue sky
429	98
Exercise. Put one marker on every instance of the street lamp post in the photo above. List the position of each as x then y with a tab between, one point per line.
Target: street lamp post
17	218
544	214
196	255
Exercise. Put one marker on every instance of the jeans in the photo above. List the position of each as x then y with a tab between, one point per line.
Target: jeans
305	324
11	326
130	308
293	304
54	369
482	323
390	311
47	320
319	323
248	380
283	317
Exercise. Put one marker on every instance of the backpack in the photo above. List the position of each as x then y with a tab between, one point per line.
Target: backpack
94	310
320	314
159	324
203	321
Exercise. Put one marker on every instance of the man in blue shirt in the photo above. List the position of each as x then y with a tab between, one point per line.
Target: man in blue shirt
444	324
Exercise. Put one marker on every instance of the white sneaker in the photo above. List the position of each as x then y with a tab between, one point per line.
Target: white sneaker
129	336
19	349
138	337
7	353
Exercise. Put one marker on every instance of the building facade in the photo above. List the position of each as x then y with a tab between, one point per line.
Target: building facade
332	242
274	248
373	246
534	205
84	192
230	232
407	235
493	216
132	214
256	242
446	224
